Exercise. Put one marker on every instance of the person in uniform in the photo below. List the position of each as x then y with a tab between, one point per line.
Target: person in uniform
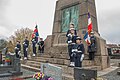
34	43
92	47
78	52
71	35
25	48
18	49
41	46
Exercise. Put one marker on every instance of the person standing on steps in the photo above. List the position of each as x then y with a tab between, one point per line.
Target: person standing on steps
78	52
41	45
25	48
92	46
18	49
71	40
34	44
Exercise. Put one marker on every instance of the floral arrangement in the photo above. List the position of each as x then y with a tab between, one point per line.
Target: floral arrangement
7	59
38	76
41	76
50	78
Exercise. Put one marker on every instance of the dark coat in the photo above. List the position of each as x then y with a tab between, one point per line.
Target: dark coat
71	38
25	43
18	46
92	46
68	32
78	50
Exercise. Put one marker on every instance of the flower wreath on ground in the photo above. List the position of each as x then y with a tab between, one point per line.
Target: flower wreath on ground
41	76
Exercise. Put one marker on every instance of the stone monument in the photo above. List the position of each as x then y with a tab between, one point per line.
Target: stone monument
75	11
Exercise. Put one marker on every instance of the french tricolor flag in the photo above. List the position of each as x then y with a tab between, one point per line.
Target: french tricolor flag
89	24
36	31
87	38
87	35
35	34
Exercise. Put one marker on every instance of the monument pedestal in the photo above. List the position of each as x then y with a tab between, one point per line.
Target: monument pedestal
75	11
60	51
56	48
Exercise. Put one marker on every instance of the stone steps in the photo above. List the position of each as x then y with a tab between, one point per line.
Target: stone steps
31	68
60	61
66	69
58	55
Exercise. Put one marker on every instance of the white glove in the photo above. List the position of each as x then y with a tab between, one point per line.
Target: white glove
69	42
82	56
19	52
79	51
35	45
69	35
74	50
24	43
33	39
26	49
15	47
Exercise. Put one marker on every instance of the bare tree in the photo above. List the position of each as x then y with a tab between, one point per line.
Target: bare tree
19	35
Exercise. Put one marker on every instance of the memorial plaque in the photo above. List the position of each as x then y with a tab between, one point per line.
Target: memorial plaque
52	70
84	74
70	15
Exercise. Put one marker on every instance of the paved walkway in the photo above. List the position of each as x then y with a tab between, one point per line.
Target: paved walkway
25	74
107	71
111	73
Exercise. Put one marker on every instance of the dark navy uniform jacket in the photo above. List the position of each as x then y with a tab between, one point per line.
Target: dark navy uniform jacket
34	42
26	43
18	46
78	49
71	38
41	43
68	32
92	46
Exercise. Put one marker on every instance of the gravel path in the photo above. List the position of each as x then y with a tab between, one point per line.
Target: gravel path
112	75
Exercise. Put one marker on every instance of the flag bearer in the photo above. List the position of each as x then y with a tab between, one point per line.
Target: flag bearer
92	46
34	43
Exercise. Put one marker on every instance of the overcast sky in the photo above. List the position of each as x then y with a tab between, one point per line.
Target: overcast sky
16	14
